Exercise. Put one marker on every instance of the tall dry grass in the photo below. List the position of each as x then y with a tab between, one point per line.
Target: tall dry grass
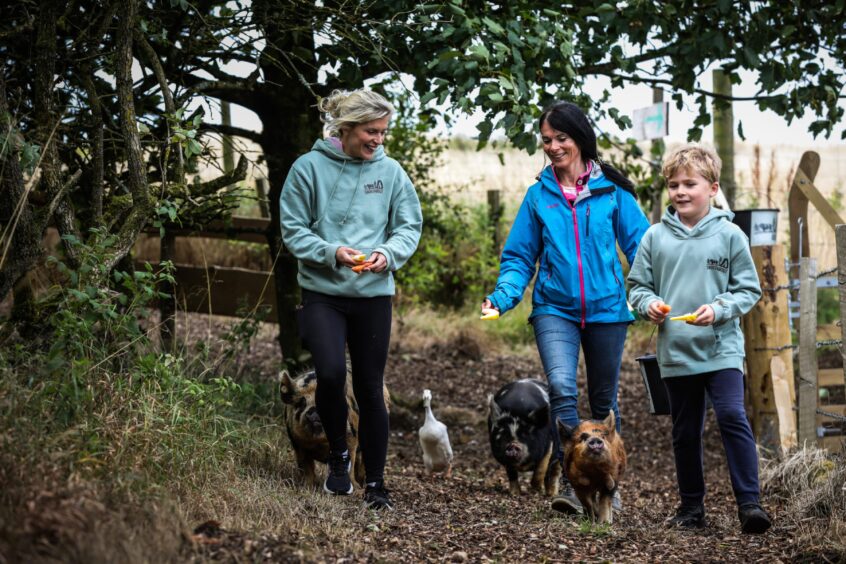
811	485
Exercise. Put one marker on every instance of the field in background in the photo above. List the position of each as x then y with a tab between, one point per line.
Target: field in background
472	174
763	181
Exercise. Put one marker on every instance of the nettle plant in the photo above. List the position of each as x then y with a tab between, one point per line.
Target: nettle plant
97	312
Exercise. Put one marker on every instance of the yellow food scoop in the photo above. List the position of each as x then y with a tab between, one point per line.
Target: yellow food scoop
686	317
488	314
359	258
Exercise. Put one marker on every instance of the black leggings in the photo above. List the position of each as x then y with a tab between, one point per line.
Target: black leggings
327	323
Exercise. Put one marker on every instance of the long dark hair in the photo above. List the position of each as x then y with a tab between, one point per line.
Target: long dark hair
570	119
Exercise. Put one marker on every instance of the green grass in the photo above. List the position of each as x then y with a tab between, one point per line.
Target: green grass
588	527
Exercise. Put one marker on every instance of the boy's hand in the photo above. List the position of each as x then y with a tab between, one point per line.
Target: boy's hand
657	312
704	316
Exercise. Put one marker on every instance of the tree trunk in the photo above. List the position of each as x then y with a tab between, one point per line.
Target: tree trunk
290	127
282	149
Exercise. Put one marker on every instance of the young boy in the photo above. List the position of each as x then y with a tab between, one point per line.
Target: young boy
696	261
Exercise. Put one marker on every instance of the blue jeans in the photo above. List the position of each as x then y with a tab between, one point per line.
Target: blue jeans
558	341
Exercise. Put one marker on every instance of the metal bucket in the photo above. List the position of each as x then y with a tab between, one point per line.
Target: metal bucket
656	392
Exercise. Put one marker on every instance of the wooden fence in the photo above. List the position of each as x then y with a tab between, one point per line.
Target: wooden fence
217	290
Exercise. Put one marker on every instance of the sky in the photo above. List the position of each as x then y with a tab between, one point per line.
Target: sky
764	128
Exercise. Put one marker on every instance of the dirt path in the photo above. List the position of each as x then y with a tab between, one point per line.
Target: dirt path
471	517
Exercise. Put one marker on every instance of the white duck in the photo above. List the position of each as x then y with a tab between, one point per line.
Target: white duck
434	440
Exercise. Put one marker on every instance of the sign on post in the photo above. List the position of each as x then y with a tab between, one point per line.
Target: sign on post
651	122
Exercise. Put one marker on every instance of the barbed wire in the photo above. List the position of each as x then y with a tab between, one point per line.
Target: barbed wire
831	415
795	285
820	344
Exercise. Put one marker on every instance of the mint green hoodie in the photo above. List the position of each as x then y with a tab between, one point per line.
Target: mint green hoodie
331	200
686	268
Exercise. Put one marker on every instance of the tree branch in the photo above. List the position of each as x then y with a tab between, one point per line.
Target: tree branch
654	81
224	129
142	203
212	186
170	106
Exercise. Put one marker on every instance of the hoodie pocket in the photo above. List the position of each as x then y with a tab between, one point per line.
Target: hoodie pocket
729	338
683	343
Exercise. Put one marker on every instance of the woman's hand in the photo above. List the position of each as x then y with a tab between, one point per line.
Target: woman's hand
657	312
487	305
345	256
380	263
704	315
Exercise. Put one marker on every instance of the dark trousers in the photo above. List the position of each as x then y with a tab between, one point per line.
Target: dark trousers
327	324
687	404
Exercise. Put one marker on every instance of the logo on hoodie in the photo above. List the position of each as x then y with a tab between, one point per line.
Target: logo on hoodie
374	187
720	264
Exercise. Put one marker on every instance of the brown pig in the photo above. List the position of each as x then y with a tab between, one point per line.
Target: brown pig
305	430
594	462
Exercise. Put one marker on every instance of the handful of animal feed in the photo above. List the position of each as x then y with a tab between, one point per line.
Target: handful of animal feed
686	317
489	314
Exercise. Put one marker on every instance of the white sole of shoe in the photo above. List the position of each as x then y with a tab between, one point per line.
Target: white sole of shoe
330	492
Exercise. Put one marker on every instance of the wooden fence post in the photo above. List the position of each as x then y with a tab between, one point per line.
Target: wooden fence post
724	133
261	195
769	373
807	379
494	216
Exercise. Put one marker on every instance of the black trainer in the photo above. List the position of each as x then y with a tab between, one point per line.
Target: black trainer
376	496
753	519
688	517
338	474
566	501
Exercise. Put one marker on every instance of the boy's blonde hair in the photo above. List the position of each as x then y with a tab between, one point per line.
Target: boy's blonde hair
347	109
695	158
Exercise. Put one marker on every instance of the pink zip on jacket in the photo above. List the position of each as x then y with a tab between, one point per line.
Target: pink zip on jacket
571	199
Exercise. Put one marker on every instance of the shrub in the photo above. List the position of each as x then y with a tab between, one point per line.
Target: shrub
456	260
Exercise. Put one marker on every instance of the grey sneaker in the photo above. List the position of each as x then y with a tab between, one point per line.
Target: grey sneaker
566	500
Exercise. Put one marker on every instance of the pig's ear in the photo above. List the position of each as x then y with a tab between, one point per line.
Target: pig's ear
286	387
493	407
564	431
610	422
540	416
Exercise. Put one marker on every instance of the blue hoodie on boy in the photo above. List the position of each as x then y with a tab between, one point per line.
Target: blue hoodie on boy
331	199
580	276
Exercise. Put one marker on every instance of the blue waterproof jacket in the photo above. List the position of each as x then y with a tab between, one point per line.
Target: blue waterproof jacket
579	275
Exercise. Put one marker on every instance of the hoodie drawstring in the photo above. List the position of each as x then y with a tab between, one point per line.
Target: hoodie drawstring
332	194
352	197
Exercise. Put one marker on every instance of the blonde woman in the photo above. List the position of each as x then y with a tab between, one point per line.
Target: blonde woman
347	204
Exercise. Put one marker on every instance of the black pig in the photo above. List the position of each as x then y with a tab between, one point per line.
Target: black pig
522	434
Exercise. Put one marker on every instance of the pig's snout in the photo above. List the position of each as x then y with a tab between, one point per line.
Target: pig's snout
312	420
595	444
514	450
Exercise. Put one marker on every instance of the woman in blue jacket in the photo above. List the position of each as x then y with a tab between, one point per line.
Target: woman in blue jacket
570	223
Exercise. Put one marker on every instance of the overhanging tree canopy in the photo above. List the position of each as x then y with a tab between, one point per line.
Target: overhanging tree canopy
506	59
